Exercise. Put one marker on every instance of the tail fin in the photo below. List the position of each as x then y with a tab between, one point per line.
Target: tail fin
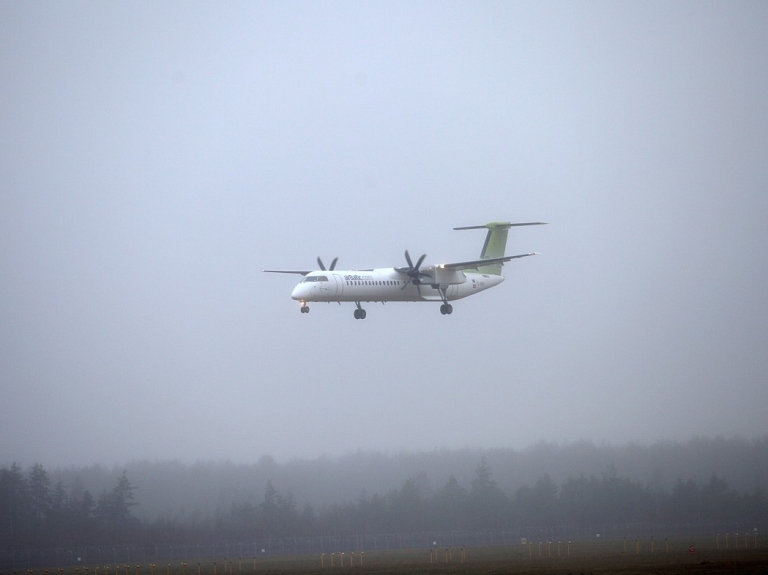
495	243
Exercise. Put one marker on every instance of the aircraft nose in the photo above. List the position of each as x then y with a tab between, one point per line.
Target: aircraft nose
299	292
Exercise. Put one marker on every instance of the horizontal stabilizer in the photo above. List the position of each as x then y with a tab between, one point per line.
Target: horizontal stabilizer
500	225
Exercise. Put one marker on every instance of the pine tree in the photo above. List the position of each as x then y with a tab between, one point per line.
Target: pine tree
39	495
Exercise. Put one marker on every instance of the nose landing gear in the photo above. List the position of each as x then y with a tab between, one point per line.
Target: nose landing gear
304	307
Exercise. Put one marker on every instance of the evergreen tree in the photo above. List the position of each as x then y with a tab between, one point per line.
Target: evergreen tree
580	501
278	514
58	514
14	506
451	505
371	513
113	509
308	520
39	495
489	507
685	502
538	505
407	506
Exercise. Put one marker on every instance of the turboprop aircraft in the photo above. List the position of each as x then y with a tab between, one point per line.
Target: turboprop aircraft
435	283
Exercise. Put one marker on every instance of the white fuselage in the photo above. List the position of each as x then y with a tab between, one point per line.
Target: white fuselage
385	284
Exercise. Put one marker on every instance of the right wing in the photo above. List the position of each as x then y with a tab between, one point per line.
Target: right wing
474	264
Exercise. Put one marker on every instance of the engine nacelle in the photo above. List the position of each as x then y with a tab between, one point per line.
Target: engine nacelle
443	276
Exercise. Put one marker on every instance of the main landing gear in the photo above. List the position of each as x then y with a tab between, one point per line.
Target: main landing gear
359	312
446	308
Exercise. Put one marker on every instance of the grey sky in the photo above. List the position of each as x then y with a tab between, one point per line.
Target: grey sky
155	157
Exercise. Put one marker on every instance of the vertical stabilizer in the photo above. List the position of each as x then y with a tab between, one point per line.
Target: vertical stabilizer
495	243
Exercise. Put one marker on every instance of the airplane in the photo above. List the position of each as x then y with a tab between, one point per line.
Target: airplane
441	282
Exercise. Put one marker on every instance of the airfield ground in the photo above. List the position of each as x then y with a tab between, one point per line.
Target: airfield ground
503	560
541	558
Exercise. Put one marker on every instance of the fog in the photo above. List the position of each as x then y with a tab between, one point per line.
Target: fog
155	157
202	490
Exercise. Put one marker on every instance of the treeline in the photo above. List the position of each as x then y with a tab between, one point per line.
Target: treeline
581	502
202	491
34	514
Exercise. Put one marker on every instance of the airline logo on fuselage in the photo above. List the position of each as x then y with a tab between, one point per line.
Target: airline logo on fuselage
357	278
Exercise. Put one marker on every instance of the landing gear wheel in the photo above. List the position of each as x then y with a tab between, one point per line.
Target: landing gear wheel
446	309
305	309
359	313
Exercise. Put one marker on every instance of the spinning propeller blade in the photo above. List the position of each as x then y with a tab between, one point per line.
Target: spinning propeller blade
322	267
413	271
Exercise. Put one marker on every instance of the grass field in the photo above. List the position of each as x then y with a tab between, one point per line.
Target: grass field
619	557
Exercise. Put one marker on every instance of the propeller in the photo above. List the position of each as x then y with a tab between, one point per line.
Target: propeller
412	271
322	267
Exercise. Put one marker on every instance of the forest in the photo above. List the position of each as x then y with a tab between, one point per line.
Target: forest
703	481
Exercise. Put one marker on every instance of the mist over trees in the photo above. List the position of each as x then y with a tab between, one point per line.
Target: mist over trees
703	481
34	512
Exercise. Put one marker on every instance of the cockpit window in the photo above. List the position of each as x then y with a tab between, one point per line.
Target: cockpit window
315	279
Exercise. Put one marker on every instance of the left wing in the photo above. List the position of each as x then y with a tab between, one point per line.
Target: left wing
302	273
474	264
